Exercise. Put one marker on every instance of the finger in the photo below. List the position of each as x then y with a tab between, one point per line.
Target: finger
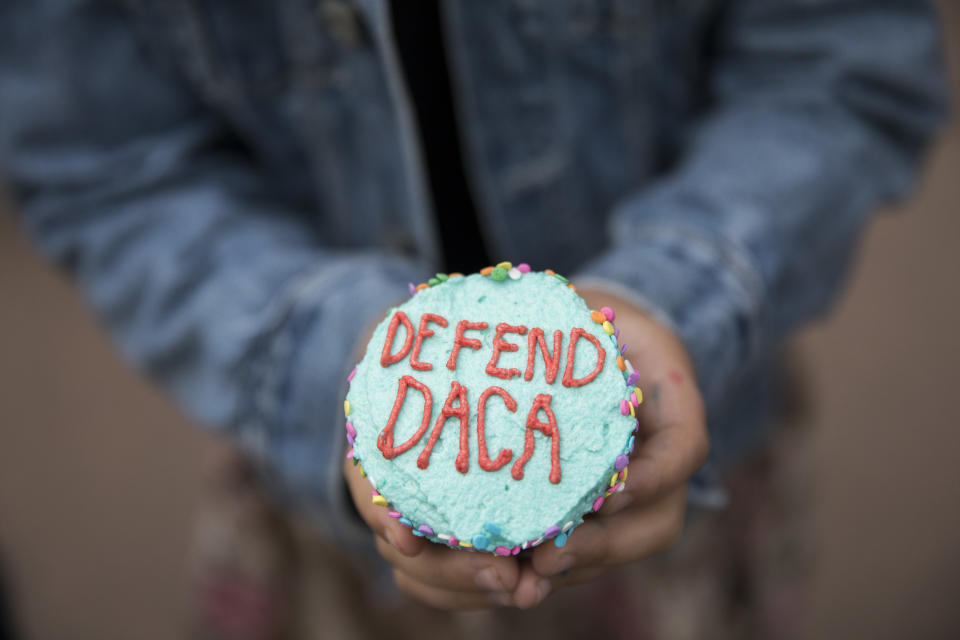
617	502
377	517
672	439
447	599
451	569
627	536
531	589
573	577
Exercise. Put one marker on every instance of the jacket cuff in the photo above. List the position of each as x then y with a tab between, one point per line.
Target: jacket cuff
698	285
296	425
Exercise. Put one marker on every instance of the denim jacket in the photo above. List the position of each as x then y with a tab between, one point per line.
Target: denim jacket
238	189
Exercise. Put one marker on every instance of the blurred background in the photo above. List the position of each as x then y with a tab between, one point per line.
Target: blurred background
99	474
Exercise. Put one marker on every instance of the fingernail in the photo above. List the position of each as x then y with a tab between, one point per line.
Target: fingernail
488	579
566	561
501	598
388	536
543	590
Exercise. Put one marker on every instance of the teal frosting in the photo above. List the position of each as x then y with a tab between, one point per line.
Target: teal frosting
493	507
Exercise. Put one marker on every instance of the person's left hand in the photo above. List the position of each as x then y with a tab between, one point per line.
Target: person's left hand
647	517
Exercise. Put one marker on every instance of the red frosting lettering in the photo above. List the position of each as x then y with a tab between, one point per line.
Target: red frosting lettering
385	439
548	428
457	392
505	455
459	341
385	358
500	345
422	334
552	362
568	379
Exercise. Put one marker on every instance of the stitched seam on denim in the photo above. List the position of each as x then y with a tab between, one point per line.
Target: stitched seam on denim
264	363
271	374
727	252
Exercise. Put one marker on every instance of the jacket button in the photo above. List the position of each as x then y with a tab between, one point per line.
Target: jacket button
342	21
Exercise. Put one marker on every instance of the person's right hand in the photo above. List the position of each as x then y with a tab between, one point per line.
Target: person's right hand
439	576
442	577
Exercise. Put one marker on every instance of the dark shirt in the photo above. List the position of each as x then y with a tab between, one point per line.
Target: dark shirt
418	30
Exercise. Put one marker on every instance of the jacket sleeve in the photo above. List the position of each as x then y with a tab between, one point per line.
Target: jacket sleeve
218	288
820	112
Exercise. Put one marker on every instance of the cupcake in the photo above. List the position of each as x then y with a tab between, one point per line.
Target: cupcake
493	412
